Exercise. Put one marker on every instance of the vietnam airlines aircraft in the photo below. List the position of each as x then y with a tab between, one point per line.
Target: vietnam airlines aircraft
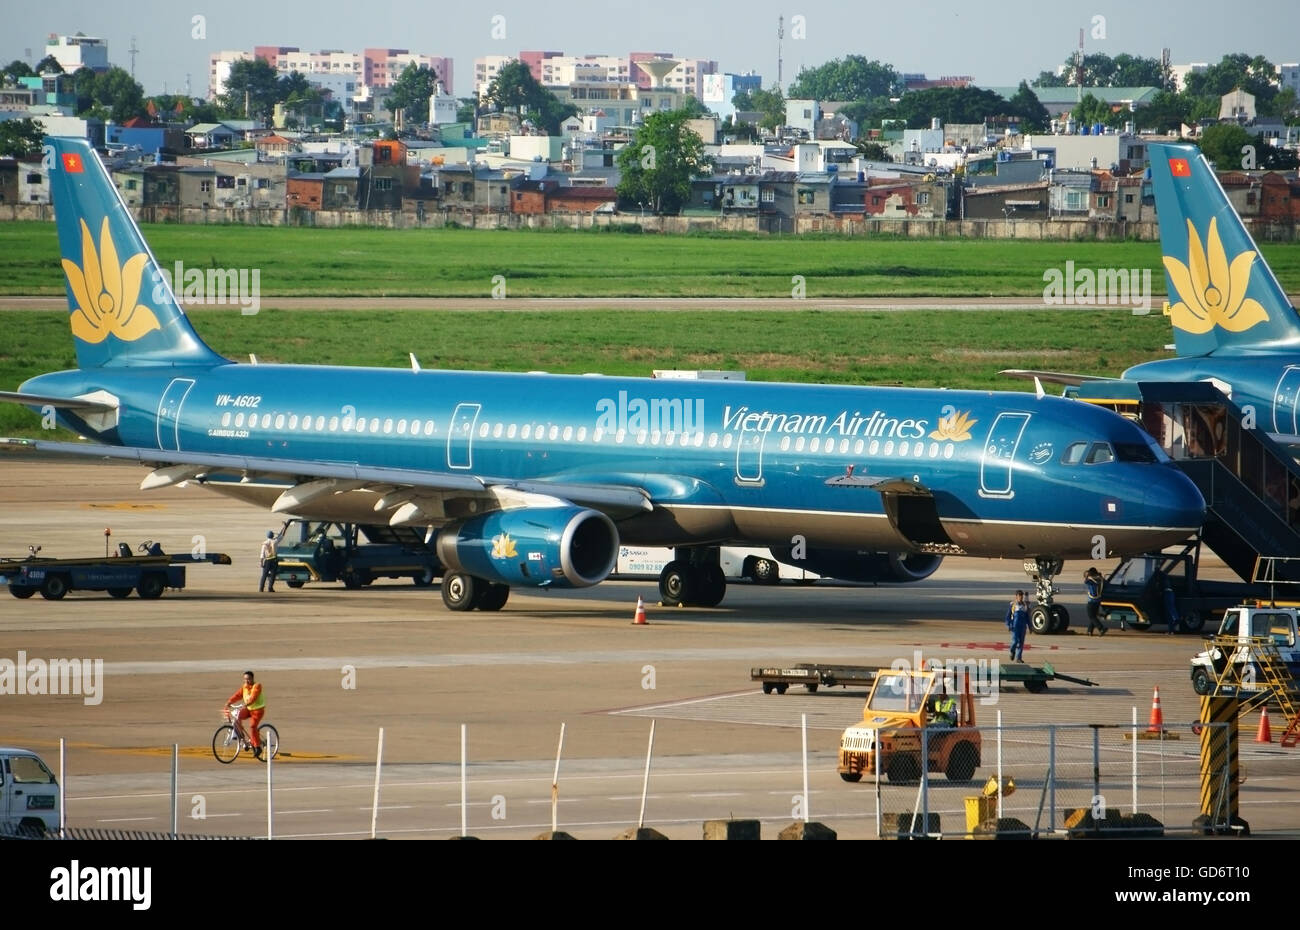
532	480
1233	323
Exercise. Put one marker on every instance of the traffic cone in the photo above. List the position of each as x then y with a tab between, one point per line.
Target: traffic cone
639	618
1157	719
1265	735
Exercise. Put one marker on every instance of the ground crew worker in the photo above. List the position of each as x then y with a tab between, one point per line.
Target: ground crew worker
945	709
253	710
270	562
1017	620
1092	581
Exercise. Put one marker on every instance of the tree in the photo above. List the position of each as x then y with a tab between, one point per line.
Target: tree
1090	110
21	137
872	150
950	105
1026	105
119	94
515	88
48	64
694	108
771	104
1124	70
850	78
1222	145
658	164
1254	75
467	111
257	81
411	91
17	69
1166	112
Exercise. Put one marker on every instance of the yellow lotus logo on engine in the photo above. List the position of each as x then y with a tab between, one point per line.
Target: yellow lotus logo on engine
956	427
503	547
1212	292
106	291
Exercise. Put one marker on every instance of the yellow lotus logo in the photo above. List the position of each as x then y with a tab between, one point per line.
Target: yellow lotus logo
106	292
1212	292
503	547
956	426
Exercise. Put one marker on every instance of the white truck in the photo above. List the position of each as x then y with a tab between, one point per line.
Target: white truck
1240	634
29	794
757	565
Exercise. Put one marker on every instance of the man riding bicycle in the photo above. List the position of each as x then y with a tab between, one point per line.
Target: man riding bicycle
254	708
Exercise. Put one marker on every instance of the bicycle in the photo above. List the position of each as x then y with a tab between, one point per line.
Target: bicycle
230	739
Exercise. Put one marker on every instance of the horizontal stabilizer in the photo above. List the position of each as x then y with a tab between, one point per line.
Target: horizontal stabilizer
1051	377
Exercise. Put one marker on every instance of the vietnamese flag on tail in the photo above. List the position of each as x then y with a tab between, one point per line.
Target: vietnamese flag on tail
72	163
1179	168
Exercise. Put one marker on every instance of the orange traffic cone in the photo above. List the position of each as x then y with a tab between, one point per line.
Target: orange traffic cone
1265	735
1157	718
639	618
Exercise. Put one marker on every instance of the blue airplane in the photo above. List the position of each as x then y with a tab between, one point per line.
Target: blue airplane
534	480
1233	323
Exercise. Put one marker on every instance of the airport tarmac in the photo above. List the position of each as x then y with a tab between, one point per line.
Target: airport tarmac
340	665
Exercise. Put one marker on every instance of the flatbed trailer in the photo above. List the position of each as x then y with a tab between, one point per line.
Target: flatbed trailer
148	574
813	675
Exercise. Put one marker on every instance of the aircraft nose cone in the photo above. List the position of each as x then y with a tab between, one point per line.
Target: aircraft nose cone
1174	501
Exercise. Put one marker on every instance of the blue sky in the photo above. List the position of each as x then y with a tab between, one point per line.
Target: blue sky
994	43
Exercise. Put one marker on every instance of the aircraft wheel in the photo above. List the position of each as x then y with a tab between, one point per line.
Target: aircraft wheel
493	596
677	583
1040	621
459	591
1062	618
712	587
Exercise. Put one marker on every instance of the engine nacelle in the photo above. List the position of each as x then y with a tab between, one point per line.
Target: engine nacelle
557	547
850	565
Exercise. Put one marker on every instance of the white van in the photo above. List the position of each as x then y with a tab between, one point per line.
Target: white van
29	794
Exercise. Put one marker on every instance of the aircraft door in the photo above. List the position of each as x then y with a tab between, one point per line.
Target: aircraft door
1284	401
169	414
460	436
749	456
999	453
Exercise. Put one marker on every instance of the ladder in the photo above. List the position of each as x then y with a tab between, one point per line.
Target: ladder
1272	680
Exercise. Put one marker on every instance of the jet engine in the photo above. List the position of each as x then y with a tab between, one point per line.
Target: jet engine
557	547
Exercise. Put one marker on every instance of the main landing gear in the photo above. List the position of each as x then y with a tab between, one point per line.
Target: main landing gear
1046	616
693	578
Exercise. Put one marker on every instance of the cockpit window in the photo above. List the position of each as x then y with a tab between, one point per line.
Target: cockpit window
1073	453
1100	453
1134	452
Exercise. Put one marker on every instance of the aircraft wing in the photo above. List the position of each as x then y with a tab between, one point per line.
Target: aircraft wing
406	488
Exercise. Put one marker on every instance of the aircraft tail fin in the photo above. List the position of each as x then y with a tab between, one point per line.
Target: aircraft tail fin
122	308
1222	294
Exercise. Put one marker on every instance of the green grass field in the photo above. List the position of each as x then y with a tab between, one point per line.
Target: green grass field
919	348
462	263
